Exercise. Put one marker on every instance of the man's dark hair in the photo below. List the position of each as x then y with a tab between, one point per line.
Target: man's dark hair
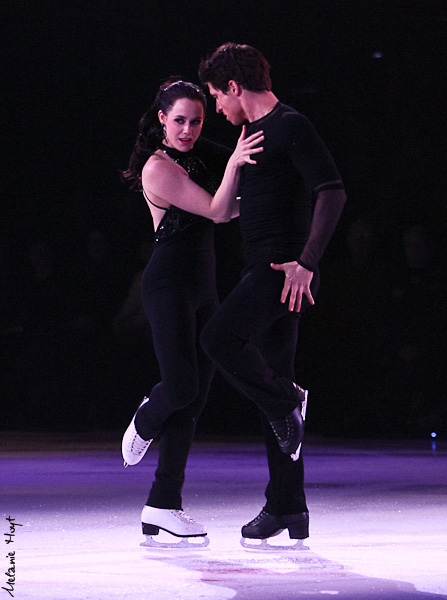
238	62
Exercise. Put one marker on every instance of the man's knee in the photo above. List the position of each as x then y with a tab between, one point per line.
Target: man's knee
209	340
220	343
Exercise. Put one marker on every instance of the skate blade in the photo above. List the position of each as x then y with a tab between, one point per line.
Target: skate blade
186	542
295	456
304	405
252	544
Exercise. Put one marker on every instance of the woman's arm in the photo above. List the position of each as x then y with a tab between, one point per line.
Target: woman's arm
166	183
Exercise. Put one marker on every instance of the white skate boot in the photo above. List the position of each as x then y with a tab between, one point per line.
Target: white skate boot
175	522
133	446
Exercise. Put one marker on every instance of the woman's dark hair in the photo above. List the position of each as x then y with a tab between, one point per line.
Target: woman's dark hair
238	62
150	131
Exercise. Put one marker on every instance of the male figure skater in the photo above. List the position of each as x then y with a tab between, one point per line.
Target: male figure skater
252	338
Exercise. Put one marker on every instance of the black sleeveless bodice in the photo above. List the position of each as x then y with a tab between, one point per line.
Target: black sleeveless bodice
176	220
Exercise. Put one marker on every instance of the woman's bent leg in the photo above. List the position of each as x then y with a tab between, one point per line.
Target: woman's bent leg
177	434
174	332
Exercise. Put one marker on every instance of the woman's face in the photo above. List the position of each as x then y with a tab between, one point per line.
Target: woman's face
182	123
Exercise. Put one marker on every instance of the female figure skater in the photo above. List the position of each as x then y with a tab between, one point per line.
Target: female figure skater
178	287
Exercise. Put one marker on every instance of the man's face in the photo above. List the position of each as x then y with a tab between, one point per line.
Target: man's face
228	104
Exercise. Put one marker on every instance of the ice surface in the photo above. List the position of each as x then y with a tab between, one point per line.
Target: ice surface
378	523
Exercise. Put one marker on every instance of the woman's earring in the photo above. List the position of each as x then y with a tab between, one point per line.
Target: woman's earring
163	131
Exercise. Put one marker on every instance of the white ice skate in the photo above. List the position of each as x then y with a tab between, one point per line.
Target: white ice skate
295	456
133	446
175	522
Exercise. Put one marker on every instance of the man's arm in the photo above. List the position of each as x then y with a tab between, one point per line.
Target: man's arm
298	274
328	208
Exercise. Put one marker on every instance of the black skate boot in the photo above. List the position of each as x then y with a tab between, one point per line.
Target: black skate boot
266	526
290	431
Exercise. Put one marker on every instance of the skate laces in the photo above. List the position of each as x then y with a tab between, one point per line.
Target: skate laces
180	514
256	520
138	445
281	432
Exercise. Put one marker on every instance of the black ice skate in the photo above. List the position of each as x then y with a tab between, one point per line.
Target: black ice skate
290	431
266	526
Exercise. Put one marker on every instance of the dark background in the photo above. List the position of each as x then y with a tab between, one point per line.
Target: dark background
77	77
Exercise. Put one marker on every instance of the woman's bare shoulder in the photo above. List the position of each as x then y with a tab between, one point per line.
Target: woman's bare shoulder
163	178
159	164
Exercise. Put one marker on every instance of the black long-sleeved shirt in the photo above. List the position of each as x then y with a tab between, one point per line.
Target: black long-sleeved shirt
277	192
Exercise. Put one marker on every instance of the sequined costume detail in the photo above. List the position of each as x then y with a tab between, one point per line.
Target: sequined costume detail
176	220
